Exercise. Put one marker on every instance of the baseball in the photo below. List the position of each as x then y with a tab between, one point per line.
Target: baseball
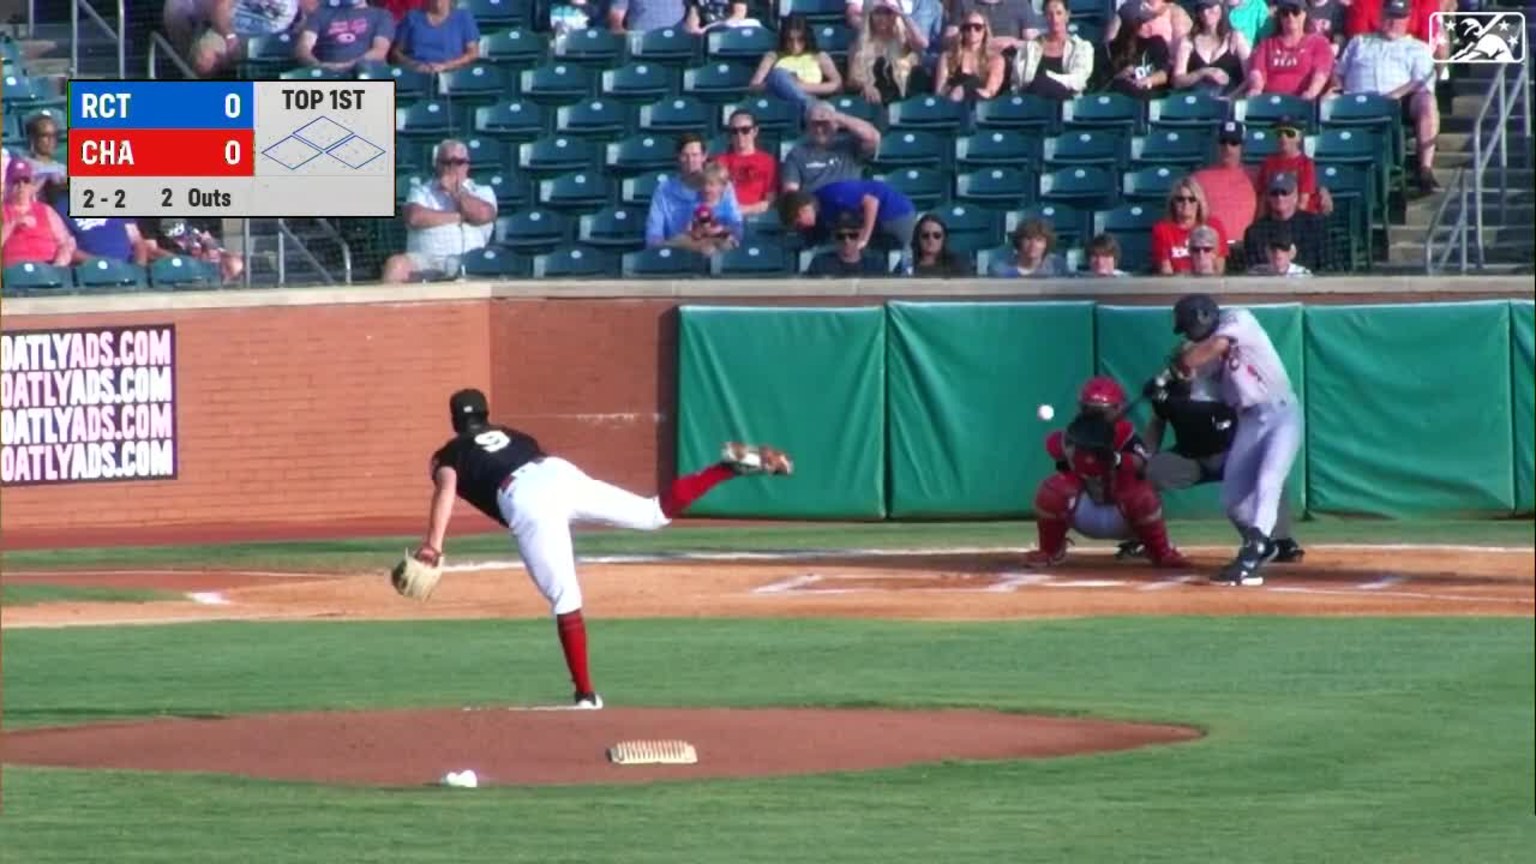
1045	412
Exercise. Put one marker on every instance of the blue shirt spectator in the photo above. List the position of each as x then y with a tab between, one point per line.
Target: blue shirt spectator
113	239
883	214
436	39
674	206
342	32
638	16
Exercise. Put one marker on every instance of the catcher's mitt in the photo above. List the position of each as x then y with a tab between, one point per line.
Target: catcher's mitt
417	574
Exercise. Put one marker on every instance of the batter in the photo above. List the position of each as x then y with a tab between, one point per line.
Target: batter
1253	381
506	475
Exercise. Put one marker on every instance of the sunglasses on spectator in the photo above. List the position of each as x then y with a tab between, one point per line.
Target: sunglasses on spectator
847	235
46	133
453	160
1201	250
1184	199
1287	132
973	26
1289	12
743	130
931	235
1278	193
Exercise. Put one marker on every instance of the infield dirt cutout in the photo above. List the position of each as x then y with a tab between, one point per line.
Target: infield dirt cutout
532	746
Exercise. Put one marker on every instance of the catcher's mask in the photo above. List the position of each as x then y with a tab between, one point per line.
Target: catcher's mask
1101	394
1194	316
468	409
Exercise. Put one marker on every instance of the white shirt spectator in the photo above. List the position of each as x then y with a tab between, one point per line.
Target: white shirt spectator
1372	63
440	248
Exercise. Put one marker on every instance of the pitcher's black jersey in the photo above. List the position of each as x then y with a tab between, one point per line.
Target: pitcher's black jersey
483	458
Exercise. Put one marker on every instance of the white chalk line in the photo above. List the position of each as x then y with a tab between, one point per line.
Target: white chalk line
1409	595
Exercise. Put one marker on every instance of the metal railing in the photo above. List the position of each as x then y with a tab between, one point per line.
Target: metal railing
1467	238
157	44
118	35
286	236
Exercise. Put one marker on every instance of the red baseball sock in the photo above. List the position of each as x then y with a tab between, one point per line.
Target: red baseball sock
573	641
686	490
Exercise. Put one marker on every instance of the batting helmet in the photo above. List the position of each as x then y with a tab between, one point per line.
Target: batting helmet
1194	316
1101	393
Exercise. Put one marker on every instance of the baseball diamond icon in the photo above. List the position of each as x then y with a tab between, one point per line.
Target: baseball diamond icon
323	137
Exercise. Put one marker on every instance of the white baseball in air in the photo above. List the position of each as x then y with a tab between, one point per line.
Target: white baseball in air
1045	412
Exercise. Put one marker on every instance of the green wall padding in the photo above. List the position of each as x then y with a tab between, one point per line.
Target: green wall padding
811	381
1134	342
1523	361
1409	409
965	381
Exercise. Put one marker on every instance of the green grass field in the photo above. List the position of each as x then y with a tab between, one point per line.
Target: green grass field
30	595
1358	740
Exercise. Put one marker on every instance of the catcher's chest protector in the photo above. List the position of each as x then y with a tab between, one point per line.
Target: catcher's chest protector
1096	472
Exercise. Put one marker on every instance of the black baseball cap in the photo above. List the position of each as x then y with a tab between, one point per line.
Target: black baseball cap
1396	9
468	403
1231	132
1136	12
1284	182
1290	4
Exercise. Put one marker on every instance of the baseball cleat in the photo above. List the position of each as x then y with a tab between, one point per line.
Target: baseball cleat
753	459
1288	551
1243	570
1174	558
1042	558
1129	550
588	702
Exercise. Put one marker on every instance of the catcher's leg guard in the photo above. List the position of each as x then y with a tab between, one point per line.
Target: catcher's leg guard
1143	511
1054	502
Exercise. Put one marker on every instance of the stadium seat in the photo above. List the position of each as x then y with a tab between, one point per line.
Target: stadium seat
576	262
265	57
909	150
1352	188
1135	251
312	73
636	83
13	136
675	115
1070	224
557	83
637	191
1088	29
484	152
1149	186
997	148
1027	112
594	118
409	84
594	48
1091	10
925	187
556	155
1178	148
855	106
835	40
1268	108
717	83
640	154
998	188
927	113
511	189
773	115
29	279
669	46
992	256
1359	145
766	226
1369	110
818	11
1094	111
178	273
739	44
513	49
511	120
750	261
1086	186
663	263
619	229
1259	143
431	118
533	231
404	183
1127	218
577	193
1086	147
1192	110
971	228
498	14
491	263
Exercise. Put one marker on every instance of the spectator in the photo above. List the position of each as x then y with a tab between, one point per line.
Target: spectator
1033	243
847	258
1104	257
1170	237
184	237
212	33
440	38
1163	19
1281	257
928	14
972	68
32	231
1396	65
1139	60
51	175
1204	252
931	256
444	220
398	9
796	71
343	33
1250	18
674	220
754	174
883	213
706	15
1290	60
1306	230
1009	22
1057	65
1326	19
823	157
1292	159
1365	16
1214	58
639	16
112	238
885	55
571	15
1231	187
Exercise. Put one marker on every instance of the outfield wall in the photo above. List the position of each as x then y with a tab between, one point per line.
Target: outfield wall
305	411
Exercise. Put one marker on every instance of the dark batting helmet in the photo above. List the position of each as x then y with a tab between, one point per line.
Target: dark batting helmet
1194	316
467	409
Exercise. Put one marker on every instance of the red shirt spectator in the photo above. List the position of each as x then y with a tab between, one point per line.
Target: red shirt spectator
1291	61
1231	190
398	8
1291	160
1364	16
754	174
31	231
1187	209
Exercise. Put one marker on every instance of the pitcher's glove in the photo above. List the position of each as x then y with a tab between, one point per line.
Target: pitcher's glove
417	573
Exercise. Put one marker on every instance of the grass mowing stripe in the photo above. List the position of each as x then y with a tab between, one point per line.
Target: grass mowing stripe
1375	739
29	594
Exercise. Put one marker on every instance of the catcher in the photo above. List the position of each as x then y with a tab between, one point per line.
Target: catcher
506	475
1100	485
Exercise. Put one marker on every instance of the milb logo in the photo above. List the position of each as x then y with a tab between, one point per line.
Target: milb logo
1482	37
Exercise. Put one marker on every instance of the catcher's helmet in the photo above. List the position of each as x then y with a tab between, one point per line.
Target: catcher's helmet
1194	316
1101	393
467	409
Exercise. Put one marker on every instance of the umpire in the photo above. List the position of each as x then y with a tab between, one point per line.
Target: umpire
1203	429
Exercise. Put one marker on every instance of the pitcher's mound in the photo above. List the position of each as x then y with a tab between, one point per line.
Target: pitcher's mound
530	746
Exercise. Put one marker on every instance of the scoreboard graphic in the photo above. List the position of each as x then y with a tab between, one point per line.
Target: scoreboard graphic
258	149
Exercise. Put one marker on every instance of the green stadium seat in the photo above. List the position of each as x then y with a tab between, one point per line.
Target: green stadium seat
927	113
997	187
484	152
405	183
1093	10
498	14
971	228
642	82
511	189
576	193
1087	186
104	274
739	44
431	118
492	263
594	48
989	148
576	262
1088	29
13	134
1025	112
1135	252
663	263
763	227
773	115
265	57
480	84
1095	111
533	231
855	106
618	229
409	84
594	118
675	115
637	191
1353	189
1179	148
1127	218
910	150
717	83
1188	110
751	260
1267	109
312	73
640	154
1358	145
513	49
511	120
180	273
1149	186
1370	110
925	187
814	10
669	46
1070	224
1259	143
835	40
557	83
1086	147
30	280
556	155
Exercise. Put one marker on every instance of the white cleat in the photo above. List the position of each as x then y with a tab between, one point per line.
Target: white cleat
588	702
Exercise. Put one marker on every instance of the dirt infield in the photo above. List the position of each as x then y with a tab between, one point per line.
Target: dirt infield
529	746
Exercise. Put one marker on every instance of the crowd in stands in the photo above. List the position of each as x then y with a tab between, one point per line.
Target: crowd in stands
850	78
